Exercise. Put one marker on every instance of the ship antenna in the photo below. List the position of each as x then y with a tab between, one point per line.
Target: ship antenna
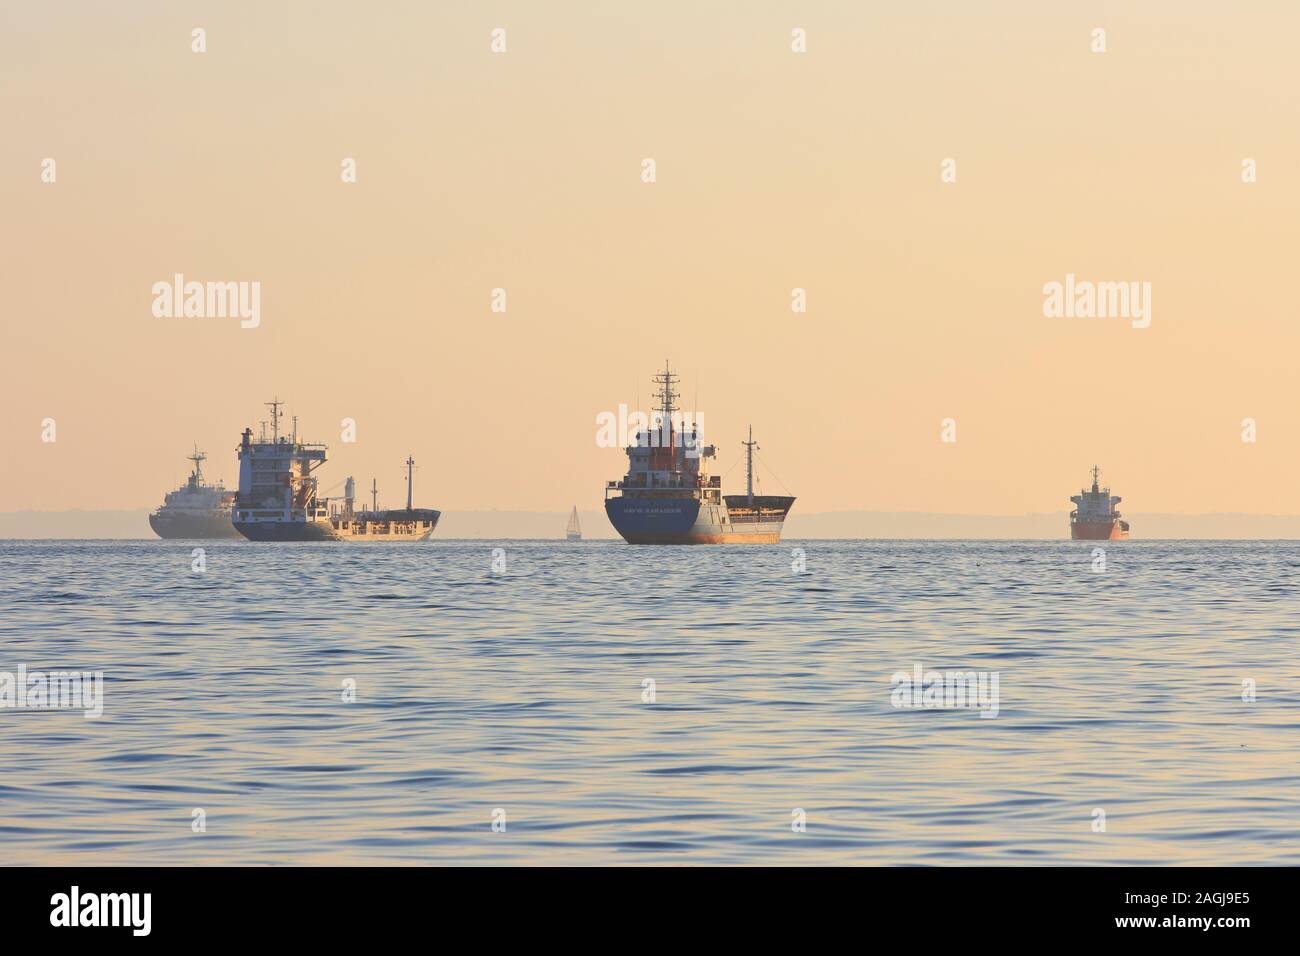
274	405
749	466
666	394
667	405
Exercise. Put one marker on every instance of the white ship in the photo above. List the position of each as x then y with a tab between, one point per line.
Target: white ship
196	509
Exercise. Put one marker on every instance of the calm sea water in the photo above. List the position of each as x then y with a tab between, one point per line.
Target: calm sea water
522	690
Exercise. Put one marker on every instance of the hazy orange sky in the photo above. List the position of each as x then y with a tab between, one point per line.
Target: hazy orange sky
775	170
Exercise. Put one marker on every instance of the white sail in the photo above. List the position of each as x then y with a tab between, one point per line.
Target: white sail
574	531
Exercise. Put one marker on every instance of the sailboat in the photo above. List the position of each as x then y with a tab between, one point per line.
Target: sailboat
574	531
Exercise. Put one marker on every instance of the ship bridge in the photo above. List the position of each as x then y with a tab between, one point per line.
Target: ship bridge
666	458
275	474
1097	503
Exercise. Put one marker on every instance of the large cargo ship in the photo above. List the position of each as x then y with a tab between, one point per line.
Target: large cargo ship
1094	517
278	498
196	509
667	496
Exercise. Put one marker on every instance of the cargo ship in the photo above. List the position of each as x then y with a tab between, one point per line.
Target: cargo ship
1094	517
278	499
667	496
195	509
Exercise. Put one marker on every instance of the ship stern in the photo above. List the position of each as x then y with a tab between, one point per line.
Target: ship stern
653	520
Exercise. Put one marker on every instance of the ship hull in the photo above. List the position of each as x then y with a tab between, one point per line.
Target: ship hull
643	520
399	528
1098	530
263	531
192	526
396	531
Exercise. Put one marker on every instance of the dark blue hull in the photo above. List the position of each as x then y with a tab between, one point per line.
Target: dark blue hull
398	526
653	520
286	530
649	520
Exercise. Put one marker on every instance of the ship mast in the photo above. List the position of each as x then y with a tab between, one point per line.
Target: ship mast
667	396
198	458
374	494
667	400
749	465
274	406
1095	472
410	467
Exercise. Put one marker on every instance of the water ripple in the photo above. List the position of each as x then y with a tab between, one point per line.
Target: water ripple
326	704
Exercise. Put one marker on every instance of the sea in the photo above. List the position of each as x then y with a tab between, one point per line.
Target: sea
538	702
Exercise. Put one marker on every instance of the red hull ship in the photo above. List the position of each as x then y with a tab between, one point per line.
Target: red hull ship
1094	517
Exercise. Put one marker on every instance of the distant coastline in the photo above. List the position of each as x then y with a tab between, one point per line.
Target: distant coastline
549	525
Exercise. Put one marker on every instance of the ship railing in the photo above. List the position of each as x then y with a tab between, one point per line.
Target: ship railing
680	481
657	485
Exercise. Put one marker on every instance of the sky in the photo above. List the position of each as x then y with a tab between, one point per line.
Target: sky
774	169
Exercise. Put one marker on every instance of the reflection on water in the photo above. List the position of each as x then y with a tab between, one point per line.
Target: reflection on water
523	690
